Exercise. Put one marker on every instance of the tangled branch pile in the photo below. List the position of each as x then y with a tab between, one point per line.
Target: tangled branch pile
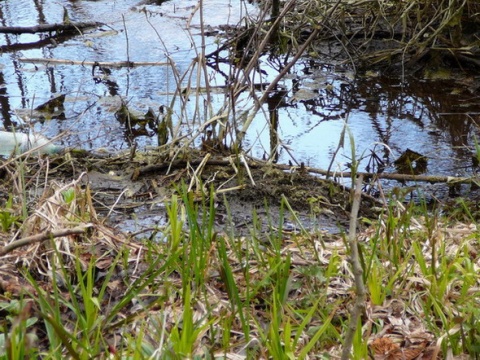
407	34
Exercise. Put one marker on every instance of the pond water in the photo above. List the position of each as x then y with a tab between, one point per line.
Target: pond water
432	118
144	33
385	115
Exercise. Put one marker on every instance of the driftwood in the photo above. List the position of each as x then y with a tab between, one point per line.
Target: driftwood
65	27
111	64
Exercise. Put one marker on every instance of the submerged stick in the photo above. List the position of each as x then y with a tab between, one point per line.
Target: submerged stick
117	64
73	26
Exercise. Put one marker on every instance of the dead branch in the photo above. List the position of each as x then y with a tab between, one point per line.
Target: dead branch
112	64
390	176
65	27
42	237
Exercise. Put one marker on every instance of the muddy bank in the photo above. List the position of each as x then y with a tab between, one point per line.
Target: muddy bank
131	192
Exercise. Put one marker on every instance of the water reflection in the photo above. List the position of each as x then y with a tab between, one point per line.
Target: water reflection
274	102
435	119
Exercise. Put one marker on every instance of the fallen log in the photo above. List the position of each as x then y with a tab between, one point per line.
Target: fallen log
65	27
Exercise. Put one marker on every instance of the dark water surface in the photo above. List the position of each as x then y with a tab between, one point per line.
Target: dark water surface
385	116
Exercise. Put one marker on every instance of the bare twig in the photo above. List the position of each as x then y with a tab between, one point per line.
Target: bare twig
47	235
283	72
360	291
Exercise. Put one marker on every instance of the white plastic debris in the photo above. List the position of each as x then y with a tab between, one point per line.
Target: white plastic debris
19	143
